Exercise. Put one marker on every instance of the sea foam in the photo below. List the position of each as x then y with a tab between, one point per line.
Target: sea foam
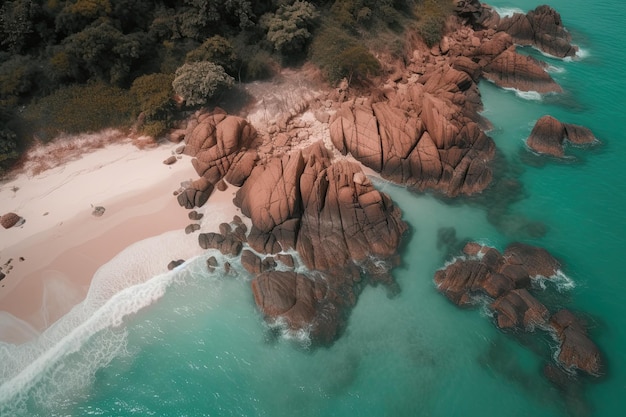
91	333
507	11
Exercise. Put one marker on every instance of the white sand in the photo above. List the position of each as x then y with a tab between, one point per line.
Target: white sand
63	244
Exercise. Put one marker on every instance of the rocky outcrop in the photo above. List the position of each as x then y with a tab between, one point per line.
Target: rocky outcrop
505	279
216	140
512	70
425	136
549	135
576	350
541	28
336	220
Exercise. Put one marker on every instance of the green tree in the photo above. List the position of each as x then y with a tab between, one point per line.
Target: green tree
289	29
154	94
16	24
198	82
218	50
76	15
8	145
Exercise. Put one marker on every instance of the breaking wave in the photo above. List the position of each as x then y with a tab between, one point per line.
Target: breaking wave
38	373
507	11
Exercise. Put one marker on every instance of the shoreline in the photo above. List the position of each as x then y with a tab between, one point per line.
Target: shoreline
53	258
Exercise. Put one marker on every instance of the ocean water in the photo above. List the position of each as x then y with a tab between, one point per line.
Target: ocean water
189	343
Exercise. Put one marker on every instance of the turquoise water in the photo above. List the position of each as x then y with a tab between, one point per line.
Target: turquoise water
202	348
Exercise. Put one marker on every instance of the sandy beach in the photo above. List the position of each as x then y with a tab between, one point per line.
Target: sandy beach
50	260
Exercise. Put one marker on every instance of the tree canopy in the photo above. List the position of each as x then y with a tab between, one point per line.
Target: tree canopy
132	47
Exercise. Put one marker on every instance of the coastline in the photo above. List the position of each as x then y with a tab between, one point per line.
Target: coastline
54	257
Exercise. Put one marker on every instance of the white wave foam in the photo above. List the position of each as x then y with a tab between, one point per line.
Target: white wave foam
48	365
555	70
582	53
507	11
561	281
526	95
38	370
302	337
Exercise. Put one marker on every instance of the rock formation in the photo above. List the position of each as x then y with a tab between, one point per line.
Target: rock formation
425	136
336	220
541	28
214	140
506	280
549	135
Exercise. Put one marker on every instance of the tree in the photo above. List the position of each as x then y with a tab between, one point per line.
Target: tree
289	29
198	82
8	145
154	95
218	50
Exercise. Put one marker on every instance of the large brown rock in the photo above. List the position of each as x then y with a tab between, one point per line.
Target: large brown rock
519	309
290	296
10	219
576	349
426	136
548	136
215	140
521	72
333	216
536	261
542	28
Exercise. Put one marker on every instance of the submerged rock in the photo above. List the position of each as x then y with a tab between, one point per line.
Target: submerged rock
506	280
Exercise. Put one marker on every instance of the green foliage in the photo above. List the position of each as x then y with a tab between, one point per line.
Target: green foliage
80	108
105	53
78	14
154	128
289	29
17	24
432	15
351	13
357	63
198	19
218	50
18	77
340	55
8	145
198	82
154	96
259	66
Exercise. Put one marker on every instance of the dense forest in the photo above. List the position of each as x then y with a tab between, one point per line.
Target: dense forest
83	65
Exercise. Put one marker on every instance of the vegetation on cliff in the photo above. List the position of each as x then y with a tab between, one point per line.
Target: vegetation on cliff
82	65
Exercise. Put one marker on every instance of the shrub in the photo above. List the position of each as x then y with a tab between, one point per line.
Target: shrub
339	55
198	82
154	96
358	64
289	29
80	108
432	15
217	50
8	145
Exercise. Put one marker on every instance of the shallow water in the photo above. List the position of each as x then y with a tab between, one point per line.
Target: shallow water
202	348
